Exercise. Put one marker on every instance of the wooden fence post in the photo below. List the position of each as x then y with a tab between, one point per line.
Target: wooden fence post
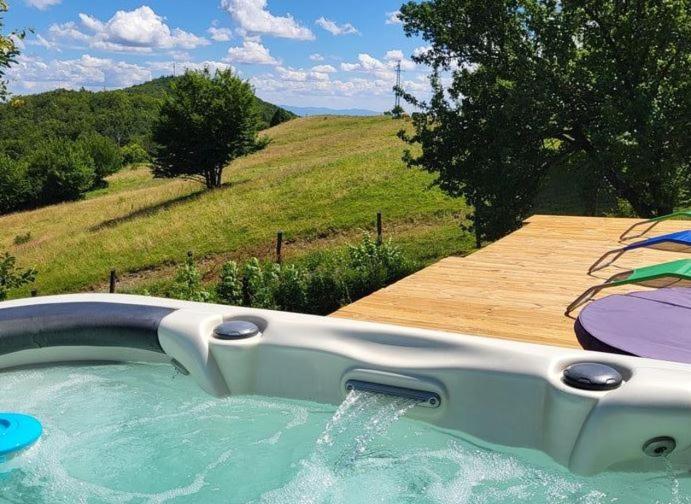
113	281
279	247
380	237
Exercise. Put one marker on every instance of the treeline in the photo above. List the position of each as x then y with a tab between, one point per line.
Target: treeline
58	145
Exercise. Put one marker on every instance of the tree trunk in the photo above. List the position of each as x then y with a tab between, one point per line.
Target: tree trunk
209	179
219	176
621	187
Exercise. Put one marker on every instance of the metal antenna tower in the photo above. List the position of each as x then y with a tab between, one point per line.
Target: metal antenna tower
398	86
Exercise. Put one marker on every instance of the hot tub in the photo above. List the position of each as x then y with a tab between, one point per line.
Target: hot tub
489	395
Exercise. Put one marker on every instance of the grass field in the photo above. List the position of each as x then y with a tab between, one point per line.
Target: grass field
321	181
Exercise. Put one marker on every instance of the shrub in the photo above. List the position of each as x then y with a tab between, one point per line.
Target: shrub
12	277
106	156
21	239
16	189
322	285
229	289
290	288
280	116
134	153
62	171
188	283
373	265
326	292
259	284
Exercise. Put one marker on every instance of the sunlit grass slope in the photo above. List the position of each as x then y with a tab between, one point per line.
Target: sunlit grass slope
321	181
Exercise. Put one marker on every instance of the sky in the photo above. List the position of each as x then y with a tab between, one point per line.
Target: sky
300	53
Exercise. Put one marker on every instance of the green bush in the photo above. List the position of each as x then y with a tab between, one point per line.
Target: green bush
229	288
21	239
280	116
290	289
320	286
16	189
12	277
133	153
188	283
62	171
259	282
106	156
372	266
326	292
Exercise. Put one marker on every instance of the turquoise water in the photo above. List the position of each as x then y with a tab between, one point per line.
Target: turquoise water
142	434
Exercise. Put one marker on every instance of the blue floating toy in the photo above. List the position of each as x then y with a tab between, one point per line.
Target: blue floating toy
17	433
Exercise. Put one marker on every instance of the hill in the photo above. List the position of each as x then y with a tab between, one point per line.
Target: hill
125	115
158	87
312	111
321	181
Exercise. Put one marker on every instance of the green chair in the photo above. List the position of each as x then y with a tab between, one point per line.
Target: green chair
651	223
675	273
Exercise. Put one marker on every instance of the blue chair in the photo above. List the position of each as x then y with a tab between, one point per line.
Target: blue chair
673	242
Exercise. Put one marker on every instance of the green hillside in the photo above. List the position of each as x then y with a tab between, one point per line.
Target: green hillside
123	115
321	181
157	88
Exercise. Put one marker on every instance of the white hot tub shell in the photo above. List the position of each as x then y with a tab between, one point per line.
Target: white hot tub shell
495	391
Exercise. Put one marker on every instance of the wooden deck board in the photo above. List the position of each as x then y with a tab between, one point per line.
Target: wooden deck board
516	288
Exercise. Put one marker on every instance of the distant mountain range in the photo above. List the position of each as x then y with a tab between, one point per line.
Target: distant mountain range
312	111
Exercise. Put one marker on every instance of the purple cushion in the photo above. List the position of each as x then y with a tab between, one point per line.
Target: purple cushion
654	324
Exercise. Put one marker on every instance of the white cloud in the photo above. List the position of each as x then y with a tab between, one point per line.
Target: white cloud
42	4
290	74
369	64
220	34
32	74
364	89
317	74
381	69
393	17
43	42
395	54
421	51
139	30
68	30
251	52
350	67
316	57
323	69
335	29
253	17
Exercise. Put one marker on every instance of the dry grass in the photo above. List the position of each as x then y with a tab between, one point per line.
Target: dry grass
320	181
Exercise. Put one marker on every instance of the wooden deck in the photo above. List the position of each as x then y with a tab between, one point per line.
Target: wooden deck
516	288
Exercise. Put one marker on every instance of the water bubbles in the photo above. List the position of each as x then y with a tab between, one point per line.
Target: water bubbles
128	434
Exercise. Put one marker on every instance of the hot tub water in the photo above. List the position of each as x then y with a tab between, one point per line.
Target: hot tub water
131	434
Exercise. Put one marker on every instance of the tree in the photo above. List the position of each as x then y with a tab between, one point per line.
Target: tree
106	155
8	50
536	83
16	189
12	277
133	153
62	171
205	123
280	116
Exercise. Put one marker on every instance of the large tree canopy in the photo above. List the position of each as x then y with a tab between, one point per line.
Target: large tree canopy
521	85
206	121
